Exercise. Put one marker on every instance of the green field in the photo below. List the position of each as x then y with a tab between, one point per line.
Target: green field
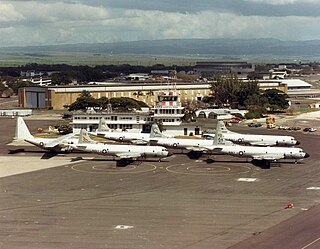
18	58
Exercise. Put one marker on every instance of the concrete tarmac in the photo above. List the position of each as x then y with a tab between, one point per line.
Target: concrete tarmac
301	231
89	202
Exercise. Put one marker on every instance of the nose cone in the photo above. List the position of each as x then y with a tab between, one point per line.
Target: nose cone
170	153
306	155
297	143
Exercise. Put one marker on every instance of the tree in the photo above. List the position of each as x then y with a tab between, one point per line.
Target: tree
84	101
277	100
190	107
65	129
246	91
126	104
230	90
19	84
103	102
60	79
225	89
209	100
122	104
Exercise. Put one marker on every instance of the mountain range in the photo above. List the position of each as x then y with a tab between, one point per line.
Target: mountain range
187	47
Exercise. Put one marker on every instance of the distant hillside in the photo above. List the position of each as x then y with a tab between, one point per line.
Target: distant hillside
189	46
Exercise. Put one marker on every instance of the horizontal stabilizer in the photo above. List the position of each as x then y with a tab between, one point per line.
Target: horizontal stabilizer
56	142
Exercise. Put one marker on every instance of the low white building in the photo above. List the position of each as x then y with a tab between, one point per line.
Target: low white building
15	112
224	113
296	84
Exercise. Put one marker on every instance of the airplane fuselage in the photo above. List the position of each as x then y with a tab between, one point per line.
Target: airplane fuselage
259	140
119	149
262	140
124	136
43	144
262	153
181	143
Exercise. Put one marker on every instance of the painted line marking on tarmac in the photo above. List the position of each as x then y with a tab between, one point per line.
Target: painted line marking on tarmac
247	179
169	169
311	243
123	227
313	188
94	171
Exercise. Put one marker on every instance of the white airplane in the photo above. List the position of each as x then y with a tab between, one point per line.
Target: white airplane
265	154
257	140
195	145
122	151
60	144
124	136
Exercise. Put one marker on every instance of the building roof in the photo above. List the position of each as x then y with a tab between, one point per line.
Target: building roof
295	83
130	87
291	83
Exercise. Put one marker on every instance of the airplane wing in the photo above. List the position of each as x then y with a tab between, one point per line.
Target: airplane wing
139	142
78	146
268	157
213	148
263	144
57	141
128	155
32	142
197	149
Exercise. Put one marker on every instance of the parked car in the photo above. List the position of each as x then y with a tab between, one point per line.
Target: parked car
254	125
309	129
283	128
235	120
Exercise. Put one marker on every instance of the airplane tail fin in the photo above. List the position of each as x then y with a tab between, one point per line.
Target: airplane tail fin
103	125
84	137
22	132
155	132
218	138
223	126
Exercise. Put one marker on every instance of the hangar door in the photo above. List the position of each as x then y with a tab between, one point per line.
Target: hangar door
36	98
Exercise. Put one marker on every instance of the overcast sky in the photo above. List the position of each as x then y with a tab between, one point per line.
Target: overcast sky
88	21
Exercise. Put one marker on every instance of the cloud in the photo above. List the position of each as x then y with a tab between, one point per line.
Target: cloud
8	13
284	2
52	12
52	22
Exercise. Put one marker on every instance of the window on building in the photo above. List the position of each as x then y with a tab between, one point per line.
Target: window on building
113	126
